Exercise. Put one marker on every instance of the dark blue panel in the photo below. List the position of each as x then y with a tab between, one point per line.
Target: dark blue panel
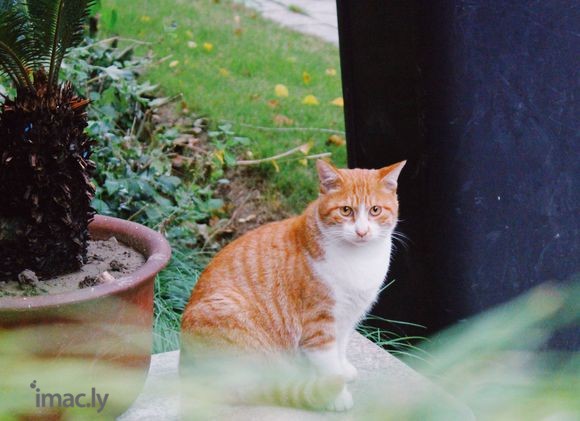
482	97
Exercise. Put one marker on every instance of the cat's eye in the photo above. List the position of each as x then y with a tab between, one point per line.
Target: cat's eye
375	211
346	211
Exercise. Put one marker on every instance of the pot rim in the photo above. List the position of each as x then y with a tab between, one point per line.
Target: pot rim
148	242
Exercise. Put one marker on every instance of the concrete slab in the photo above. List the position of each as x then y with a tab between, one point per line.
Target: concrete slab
377	370
314	17
152	405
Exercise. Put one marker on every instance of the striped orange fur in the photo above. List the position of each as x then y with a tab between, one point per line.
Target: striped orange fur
302	284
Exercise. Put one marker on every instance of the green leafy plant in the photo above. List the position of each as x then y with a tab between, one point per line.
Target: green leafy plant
45	171
156	165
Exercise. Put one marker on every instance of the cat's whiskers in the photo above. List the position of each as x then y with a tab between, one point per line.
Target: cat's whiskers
401	238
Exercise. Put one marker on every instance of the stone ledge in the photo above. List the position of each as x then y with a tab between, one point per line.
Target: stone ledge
375	367
319	18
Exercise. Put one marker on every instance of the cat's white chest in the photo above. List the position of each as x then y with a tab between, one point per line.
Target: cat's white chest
353	267
355	275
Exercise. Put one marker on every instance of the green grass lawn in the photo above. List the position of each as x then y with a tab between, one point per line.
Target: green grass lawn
226	61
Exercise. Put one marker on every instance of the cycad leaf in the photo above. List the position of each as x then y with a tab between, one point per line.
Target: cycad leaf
42	15
16	50
58	26
76	13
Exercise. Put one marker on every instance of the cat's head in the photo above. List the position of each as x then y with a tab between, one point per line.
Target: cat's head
358	206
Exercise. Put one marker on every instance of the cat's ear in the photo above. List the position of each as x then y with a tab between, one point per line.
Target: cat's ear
330	178
389	175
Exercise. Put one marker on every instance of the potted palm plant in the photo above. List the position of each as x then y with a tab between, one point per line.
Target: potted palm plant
46	218
45	171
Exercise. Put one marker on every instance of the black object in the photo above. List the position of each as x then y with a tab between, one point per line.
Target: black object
481	97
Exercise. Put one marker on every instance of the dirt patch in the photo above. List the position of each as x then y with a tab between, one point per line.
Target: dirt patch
250	208
107	260
247	204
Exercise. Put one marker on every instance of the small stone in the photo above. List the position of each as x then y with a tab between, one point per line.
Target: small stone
117	266
105	278
89	281
95	258
27	277
92	281
113	241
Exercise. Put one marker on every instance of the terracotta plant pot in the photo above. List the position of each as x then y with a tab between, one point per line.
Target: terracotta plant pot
101	331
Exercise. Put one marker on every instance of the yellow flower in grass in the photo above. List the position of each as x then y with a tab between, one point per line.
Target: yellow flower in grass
339	102
208	46
145	19
224	72
310	100
306	78
281	91
219	154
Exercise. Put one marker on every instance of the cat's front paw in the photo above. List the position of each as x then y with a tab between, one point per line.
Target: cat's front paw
350	372
343	402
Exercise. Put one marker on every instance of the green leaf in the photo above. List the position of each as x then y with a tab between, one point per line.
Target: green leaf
230	159
57	25
153	213
146	188
169	183
241	140
214	204
113	186
17	52
163	202
101	207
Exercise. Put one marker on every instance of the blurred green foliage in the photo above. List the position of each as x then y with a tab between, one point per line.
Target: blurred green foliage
495	366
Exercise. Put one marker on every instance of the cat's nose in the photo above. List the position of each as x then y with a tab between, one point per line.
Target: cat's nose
362	232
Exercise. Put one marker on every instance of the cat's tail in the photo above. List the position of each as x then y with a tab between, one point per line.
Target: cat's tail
259	379
313	392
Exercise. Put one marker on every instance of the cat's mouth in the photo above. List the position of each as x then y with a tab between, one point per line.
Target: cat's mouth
359	241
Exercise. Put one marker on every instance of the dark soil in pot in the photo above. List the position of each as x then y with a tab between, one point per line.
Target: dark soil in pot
107	260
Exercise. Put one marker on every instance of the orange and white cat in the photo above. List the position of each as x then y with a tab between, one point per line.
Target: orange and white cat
302	284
